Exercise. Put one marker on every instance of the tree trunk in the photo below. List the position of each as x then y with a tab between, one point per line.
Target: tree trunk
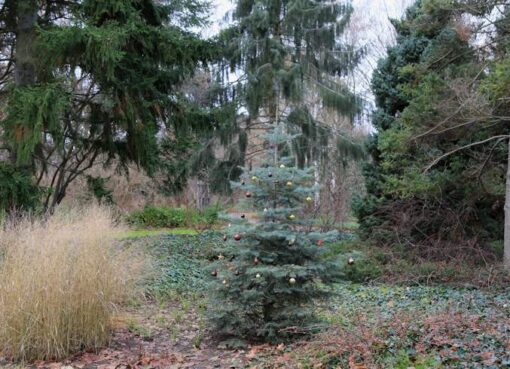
24	66
203	197
24	71
506	256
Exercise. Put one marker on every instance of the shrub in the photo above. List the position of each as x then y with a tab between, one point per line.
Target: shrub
365	266
210	215
157	217
17	190
60	282
97	187
160	217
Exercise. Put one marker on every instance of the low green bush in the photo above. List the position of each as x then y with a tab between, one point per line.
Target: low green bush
363	267
162	217
17	190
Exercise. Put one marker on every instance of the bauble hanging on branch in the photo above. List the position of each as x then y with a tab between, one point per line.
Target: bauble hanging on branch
282	166
350	261
237	237
320	242
308	199
289	184
292	280
292	217
248	194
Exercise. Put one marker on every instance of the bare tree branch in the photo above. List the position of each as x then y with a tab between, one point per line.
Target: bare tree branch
437	160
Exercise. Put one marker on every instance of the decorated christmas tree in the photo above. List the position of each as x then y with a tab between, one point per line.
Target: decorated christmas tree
269	269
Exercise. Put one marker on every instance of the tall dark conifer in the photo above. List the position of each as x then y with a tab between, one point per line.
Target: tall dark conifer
86	80
289	58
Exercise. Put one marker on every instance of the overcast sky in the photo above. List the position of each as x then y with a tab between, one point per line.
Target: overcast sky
371	8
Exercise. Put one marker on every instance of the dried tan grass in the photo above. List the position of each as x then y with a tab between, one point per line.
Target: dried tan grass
60	282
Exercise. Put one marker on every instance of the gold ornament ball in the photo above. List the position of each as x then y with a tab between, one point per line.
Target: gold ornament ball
292	217
253	178
282	166
289	184
292	280
309	199
224	281
257	276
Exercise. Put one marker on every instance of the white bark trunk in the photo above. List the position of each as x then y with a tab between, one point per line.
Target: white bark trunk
506	256
317	182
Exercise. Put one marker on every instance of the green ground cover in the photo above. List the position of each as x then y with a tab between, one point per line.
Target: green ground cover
139	233
371	325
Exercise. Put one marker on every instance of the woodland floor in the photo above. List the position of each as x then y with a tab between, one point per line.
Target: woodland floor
366	325
155	337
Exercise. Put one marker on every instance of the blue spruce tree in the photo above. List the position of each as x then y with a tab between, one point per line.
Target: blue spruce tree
269	269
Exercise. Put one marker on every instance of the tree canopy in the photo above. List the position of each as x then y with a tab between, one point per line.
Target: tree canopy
88	81
436	182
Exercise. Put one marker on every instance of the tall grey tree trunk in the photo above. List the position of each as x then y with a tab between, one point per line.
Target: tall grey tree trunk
24	71
506	256
24	67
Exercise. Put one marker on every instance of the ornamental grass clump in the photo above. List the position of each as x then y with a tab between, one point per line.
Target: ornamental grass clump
61	280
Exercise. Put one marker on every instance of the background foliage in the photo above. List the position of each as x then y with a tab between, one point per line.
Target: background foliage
426	192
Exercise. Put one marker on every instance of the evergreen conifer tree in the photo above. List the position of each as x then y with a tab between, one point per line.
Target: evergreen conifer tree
289	60
91	80
270	268
436	152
